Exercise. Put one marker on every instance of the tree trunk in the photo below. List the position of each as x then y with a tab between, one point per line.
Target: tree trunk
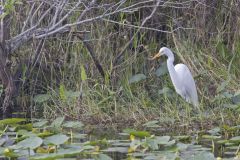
5	69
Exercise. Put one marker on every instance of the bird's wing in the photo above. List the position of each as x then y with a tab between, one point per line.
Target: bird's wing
187	82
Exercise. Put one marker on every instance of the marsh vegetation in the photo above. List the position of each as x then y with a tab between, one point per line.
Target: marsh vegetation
88	61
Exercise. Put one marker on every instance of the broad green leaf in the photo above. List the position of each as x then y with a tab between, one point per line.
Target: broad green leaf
235	139
162	70
40	98
137	78
83	73
214	131
25	133
11	121
182	138
57	122
60	154
140	134
151	124
56	139
103	157
202	155
40	124
116	149
223	141
152	143
182	146
29	143
210	137
162	140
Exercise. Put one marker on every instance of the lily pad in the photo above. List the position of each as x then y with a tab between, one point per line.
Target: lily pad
235	139
56	139
11	121
29	143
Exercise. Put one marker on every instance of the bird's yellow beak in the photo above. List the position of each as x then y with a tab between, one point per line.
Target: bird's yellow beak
156	56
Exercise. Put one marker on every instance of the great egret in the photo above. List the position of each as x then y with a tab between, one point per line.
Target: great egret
181	77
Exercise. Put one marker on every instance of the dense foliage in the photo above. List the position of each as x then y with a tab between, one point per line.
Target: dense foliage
89	60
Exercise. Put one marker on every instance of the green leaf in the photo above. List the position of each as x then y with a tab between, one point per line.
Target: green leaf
151	124
73	124
40	124
103	157
40	98
140	134
57	122
210	137
56	139
29	143
137	78
83	73
214	131
152	143
236	98
11	121
162	140
203	155
62	92
235	139
162	70
25	133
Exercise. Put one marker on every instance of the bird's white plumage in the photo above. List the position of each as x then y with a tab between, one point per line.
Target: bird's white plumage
181	77
188	87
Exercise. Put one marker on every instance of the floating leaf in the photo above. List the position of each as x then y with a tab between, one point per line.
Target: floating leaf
116	149
25	133
103	157
56	139
152	143
203	155
183	138
40	98
162	140
210	137
140	134
214	131
11	121
40	124
235	139
137	78
29	143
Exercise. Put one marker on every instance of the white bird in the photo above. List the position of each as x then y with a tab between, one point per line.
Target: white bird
181	77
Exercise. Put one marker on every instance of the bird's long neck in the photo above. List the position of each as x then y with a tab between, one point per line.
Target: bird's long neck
171	69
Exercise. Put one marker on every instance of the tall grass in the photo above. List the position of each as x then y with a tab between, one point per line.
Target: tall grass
207	41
